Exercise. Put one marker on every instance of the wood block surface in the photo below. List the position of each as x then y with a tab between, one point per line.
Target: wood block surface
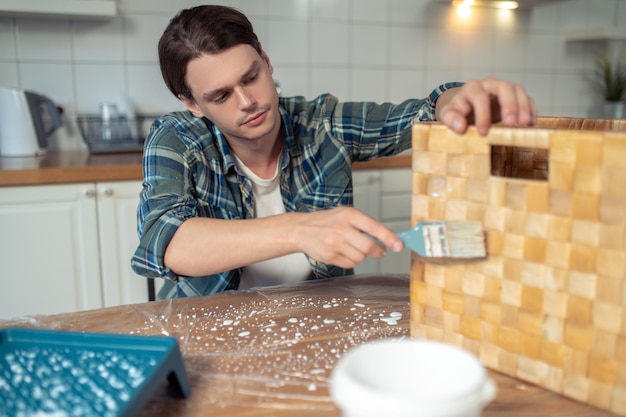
548	304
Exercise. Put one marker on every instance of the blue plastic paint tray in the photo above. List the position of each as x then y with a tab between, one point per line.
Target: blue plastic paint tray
62	373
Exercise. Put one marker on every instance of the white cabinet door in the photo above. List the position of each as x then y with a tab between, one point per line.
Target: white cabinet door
117	224
366	188
396	190
395	213
49	260
400	262
385	194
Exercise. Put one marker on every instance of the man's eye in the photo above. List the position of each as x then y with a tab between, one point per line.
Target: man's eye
251	78
221	98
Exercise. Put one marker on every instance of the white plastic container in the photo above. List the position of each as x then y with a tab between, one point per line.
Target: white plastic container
410	378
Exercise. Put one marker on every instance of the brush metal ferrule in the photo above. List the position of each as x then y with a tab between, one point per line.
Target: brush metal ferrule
435	241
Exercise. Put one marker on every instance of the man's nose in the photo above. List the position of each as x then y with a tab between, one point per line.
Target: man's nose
246	99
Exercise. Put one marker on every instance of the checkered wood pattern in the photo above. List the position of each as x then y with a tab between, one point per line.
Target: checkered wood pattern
548	305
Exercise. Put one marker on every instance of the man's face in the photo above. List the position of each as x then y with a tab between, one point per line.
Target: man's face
235	90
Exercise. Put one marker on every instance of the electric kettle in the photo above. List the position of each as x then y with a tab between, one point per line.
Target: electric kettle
27	120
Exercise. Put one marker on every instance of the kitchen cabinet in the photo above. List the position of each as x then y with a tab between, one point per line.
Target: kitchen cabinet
117	231
366	189
386	195
74	8
67	247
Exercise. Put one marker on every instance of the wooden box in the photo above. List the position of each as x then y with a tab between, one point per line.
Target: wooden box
548	304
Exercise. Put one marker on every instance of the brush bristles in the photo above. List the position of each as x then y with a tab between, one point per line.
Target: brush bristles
466	239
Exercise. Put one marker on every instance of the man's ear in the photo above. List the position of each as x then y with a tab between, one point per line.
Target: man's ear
191	105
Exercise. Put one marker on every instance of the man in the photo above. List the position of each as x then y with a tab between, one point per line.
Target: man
249	189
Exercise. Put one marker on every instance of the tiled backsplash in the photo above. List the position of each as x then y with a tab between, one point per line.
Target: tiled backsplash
356	49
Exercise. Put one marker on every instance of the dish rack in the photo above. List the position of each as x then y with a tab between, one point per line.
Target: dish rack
116	135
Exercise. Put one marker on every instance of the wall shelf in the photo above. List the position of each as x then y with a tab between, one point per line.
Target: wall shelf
596	34
529	4
523	4
69	8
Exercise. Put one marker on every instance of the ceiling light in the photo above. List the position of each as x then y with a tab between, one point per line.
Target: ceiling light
496	4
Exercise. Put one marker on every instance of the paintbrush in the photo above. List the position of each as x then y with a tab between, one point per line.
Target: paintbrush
446	239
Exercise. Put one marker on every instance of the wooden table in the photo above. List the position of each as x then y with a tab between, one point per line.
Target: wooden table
270	352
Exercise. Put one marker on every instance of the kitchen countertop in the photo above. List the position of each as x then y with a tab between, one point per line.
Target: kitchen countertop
80	166
270	351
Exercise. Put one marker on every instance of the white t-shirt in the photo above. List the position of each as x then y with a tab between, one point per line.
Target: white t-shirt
268	202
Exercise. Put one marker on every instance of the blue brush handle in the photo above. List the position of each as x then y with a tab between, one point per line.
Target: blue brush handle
413	239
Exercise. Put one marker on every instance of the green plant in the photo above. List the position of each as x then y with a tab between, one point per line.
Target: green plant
611	78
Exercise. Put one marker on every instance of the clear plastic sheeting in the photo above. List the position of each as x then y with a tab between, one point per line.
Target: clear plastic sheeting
271	351
263	351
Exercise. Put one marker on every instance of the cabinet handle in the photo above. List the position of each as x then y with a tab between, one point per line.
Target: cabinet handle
90	193
108	192
373	179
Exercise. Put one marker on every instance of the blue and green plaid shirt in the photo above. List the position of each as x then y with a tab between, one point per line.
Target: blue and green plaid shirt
189	171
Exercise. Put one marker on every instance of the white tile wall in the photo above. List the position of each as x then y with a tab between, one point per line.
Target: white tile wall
7	46
357	49
331	10
370	44
293	49
98	41
330	33
407	47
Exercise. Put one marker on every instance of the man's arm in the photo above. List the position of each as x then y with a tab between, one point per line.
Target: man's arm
204	246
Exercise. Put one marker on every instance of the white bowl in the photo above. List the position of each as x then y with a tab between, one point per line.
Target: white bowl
410	378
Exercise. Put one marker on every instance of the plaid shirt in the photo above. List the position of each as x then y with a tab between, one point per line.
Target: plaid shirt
189	171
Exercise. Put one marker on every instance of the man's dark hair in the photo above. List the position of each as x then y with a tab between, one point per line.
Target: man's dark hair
197	31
